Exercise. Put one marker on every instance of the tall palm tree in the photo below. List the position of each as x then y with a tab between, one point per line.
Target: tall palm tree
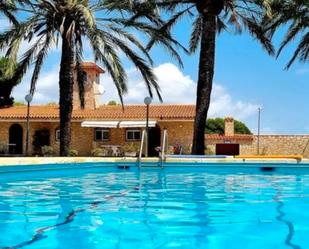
294	13
209	17
7	83
106	24
9	8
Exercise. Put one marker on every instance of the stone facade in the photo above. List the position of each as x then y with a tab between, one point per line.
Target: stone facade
83	138
92	87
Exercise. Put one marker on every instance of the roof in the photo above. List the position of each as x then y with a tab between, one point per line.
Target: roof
93	66
238	137
105	112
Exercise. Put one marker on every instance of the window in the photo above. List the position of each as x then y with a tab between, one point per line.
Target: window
133	134
102	135
57	134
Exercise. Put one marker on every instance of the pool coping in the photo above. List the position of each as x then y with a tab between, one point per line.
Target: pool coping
18	161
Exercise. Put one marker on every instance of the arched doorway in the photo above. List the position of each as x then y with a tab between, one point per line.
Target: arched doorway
16	139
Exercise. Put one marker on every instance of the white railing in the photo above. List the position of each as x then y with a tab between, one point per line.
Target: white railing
141	148
163	147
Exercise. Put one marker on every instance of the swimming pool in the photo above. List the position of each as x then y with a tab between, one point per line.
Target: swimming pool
175	207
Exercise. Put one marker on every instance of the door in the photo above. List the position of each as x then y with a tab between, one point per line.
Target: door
41	138
16	139
154	141
227	149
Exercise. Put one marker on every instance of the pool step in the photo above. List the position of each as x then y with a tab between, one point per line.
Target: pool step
149	164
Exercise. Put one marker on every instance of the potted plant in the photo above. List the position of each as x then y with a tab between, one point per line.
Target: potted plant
130	149
3	148
99	152
73	153
170	150
47	151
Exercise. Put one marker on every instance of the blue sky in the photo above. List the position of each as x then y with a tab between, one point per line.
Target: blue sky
245	78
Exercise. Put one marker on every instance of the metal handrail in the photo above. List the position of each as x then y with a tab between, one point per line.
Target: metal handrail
141	148
164	142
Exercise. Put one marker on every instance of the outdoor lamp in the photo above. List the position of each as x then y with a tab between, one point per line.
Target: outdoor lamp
147	102
28	98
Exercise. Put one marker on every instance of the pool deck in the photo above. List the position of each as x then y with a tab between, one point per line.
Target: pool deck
17	161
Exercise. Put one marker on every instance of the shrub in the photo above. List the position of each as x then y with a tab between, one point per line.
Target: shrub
130	147
97	152
209	151
186	149
47	150
170	150
73	153
3	148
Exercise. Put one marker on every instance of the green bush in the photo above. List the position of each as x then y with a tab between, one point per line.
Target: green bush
47	150
3	148
130	147
209	151
73	153
216	126
98	152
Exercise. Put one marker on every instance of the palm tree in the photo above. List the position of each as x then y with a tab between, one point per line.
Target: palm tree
106	24
9	8
6	85
209	17
294	13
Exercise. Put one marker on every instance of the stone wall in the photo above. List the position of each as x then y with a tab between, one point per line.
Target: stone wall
278	145
270	145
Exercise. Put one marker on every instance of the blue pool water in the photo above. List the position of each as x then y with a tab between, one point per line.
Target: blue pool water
187	207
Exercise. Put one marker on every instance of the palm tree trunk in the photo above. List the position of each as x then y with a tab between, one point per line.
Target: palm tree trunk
66	93
204	84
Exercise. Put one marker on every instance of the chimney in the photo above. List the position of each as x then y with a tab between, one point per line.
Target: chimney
229	126
93	88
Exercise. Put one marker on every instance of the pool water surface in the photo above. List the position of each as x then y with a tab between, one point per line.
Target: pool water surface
188	207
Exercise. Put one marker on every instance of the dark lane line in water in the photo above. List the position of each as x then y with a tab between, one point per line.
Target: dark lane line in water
39	234
289	224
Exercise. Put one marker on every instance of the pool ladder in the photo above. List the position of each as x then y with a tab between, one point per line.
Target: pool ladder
162	157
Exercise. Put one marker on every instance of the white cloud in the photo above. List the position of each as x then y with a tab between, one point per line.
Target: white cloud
175	87
222	104
47	87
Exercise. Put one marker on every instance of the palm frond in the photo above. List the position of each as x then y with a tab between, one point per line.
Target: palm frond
196	34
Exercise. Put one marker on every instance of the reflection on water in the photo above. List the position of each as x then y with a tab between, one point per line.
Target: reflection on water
154	209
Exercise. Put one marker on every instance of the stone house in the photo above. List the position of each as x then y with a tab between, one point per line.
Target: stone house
96	125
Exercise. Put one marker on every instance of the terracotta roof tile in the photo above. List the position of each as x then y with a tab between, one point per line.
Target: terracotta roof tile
92	65
223	137
106	112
